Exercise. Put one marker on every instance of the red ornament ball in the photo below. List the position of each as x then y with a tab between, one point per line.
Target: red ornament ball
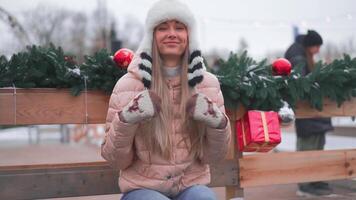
123	57
281	66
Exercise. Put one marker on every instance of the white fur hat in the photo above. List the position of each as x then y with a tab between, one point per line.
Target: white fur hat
162	11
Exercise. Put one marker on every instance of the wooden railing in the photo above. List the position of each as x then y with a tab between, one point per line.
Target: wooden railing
53	106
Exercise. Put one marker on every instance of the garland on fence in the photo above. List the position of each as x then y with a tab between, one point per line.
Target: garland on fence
40	67
252	83
242	79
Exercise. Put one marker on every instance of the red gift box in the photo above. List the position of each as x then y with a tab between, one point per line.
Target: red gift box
258	131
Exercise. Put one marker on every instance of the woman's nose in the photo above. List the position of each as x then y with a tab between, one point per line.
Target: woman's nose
172	33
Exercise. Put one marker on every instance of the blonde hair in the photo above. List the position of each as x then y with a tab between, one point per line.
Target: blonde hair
159	128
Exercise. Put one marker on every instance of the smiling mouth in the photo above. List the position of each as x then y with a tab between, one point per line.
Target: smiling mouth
171	43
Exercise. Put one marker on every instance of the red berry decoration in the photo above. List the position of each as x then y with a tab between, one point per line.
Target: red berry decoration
123	57
70	59
282	67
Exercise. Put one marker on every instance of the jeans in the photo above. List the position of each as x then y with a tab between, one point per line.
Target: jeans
196	192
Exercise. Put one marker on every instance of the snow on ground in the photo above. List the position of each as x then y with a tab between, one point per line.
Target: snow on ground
343	122
333	142
20	136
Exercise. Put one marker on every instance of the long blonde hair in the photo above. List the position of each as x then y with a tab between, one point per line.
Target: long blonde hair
158	136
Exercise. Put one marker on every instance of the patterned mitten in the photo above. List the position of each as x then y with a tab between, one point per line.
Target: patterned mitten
201	108
144	105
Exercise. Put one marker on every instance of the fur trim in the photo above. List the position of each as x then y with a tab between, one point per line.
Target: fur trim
162	11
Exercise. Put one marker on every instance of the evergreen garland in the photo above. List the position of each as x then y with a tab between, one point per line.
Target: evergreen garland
37	67
40	67
243	80
100	71
246	81
252	83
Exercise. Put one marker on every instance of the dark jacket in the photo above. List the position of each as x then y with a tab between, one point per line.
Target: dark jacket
304	127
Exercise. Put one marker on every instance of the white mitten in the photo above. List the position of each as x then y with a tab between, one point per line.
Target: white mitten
201	108
144	105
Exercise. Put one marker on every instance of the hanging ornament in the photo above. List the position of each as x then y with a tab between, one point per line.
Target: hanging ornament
282	67
123	57
74	72
286	114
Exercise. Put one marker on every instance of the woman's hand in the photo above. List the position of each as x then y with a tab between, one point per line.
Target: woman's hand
143	106
201	108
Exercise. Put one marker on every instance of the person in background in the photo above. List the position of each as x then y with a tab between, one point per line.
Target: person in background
310	132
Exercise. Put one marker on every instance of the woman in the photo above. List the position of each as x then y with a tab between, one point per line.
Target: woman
166	121
310	132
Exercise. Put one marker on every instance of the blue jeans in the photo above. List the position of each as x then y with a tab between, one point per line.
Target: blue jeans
196	192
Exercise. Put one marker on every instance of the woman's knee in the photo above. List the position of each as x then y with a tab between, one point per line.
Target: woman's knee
144	194
198	192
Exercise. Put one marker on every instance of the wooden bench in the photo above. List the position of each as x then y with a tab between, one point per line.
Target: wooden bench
53	106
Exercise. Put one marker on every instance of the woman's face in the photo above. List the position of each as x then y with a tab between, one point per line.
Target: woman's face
314	49
172	38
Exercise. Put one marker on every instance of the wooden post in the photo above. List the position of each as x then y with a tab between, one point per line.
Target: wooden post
234	192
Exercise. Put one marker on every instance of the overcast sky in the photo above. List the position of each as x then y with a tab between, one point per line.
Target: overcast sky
266	25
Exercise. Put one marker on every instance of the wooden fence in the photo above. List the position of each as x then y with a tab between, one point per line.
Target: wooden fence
57	106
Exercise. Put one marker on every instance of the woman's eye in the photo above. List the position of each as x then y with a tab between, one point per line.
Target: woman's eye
179	28
162	28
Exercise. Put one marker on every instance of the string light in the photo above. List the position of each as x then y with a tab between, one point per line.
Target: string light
272	23
349	16
282	24
304	23
257	24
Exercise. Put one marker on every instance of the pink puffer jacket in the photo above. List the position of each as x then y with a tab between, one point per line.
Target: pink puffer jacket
139	168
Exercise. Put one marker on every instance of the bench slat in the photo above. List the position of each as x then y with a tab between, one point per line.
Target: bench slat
51	106
57	181
58	106
80	179
295	167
